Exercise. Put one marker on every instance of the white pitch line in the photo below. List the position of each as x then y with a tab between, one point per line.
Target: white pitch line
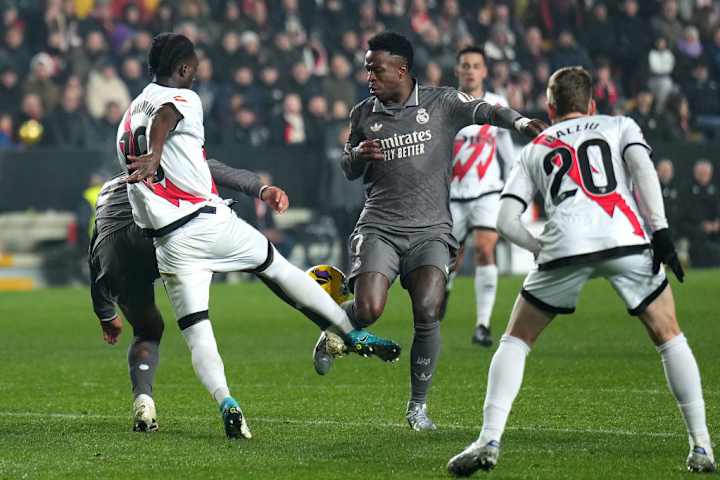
451	426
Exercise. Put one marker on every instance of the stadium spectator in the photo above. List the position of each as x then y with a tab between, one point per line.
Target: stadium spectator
632	34
431	49
227	58
244	85
531	53
290	128
433	75
599	35
302	82
661	63
164	18
206	88
645	117
701	216
713	54
68	126
7	132
606	92
420	19
667	24
104	86
31	122
702	92
499	47
451	24
690	51
338	85
133	77
677	121
40	81
569	53
10	91
318	117
14	51
670	194
106	127
284	54
250	52
391	14
246	130
84	59
557	16
273	91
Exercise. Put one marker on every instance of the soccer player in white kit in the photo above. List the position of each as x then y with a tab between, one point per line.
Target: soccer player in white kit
477	181
174	200
605	219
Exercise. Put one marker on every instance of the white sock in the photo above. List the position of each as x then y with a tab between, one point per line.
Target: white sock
504	381
683	378
305	293
206	359
486	278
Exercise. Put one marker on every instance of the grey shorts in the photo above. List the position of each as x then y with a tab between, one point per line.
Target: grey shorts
398	254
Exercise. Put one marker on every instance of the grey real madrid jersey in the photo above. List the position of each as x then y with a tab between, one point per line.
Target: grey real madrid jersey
409	190
113	211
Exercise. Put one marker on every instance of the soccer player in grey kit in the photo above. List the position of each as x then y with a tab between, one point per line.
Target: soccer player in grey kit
401	140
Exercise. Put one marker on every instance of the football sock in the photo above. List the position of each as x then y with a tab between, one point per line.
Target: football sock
486	278
206	359
423	359
504	381
143	359
300	291
683	378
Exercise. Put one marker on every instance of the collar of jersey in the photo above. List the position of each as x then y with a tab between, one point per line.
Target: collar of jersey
412	101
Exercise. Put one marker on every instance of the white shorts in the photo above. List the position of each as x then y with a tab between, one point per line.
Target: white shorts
557	290
188	256
479	213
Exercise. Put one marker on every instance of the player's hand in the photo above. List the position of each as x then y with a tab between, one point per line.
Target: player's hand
111	330
142	167
369	150
664	252
531	128
275	198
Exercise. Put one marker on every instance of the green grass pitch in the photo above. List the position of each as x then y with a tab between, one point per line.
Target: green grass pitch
594	402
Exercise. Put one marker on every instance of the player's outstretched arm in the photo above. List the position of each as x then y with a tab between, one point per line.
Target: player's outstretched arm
248	183
510	226
146	166
649	196
466	111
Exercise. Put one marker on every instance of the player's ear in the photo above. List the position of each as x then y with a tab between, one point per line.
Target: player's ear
552	112
592	107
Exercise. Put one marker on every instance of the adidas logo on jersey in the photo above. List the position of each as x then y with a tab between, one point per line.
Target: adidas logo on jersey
376	127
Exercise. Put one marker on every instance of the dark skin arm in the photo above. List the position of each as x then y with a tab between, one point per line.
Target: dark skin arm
146	166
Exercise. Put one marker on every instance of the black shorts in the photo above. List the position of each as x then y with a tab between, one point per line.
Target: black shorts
125	263
394	254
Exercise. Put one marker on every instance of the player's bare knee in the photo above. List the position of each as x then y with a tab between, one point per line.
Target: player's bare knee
367	311
661	323
484	255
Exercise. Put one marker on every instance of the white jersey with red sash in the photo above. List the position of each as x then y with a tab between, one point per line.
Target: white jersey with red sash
183	183
578	167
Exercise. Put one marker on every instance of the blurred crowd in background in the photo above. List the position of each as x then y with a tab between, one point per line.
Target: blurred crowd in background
287	72
278	71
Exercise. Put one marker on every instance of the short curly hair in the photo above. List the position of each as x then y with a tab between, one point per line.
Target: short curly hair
394	44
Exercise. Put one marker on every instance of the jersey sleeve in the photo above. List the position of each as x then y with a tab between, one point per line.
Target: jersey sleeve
353	167
186	103
520	185
631	134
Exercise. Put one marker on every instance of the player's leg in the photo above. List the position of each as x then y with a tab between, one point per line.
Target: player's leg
143	359
426	286
649	296
486	279
189	293
544	295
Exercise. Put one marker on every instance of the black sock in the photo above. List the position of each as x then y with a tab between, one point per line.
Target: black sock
423	357
143	359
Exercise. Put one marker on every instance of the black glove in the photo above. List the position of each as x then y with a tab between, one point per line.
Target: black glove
530	129
664	252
